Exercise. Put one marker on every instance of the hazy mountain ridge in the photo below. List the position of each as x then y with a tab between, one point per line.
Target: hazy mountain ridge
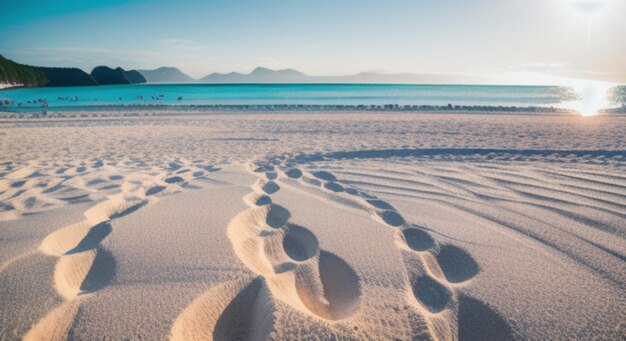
11	72
265	75
166	74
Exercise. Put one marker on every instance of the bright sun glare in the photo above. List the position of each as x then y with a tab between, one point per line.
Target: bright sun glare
592	14
593	97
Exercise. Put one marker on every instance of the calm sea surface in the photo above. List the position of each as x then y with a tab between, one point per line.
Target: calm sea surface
307	94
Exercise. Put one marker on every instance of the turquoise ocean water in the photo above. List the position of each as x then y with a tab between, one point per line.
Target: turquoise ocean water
276	94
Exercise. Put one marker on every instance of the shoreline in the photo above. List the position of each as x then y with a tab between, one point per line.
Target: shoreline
5	86
6	117
450	108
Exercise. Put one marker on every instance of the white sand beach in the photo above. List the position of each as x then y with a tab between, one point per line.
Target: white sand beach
9	85
331	226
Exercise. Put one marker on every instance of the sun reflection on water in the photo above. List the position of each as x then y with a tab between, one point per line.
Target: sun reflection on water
592	97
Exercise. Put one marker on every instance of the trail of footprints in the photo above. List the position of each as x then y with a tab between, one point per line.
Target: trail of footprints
290	269
83	266
432	270
43	186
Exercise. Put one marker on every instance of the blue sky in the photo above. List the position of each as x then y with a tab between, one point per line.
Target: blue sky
569	38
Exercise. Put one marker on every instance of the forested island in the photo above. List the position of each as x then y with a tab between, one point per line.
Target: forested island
15	74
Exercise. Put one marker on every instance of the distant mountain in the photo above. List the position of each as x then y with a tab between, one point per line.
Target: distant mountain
32	76
231	77
259	75
264	75
104	75
13	73
166	75
135	77
61	76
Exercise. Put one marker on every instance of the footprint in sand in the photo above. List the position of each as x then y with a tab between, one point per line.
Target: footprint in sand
83	266
289	267
432	270
293	173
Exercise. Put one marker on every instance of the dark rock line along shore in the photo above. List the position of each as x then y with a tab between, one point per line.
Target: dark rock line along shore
295	107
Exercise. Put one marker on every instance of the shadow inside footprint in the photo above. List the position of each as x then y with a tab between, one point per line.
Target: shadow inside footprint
433	296
352	191
277	216
383	205
174	166
174	180
342	288
294	173
477	321
18	184
155	190
101	273
417	239
237	321
263	200
270	187
333	186
457	265
299	243
392	218
95	235
129	210
324	175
